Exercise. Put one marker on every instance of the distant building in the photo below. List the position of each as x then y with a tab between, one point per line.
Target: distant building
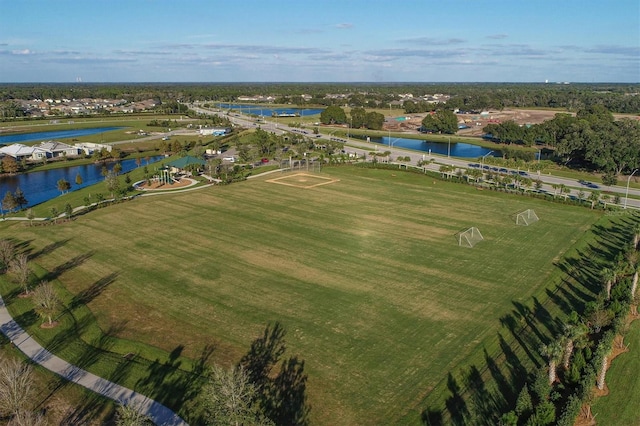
216	131
89	148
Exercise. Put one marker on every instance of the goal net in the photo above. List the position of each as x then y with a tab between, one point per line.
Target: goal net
470	237
526	217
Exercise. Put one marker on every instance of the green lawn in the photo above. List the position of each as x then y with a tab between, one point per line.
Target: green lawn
620	406
364	272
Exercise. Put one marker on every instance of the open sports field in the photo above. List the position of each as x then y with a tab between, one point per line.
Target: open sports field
361	266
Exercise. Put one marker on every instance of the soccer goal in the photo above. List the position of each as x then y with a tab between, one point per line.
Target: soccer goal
526	217
470	237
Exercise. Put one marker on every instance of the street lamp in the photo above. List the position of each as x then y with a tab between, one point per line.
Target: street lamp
626	195
482	160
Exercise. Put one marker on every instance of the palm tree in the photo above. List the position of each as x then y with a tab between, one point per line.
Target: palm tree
603	371
445	170
507	180
572	334
608	276
475	174
634	265
553	352
636	236
594	197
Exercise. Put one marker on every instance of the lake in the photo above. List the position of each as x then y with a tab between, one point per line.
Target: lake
268	112
54	134
454	149
42	186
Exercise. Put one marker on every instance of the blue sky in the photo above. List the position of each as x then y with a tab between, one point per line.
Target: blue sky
319	40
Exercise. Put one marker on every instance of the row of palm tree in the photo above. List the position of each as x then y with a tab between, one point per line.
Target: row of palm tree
561	349
501	179
581	334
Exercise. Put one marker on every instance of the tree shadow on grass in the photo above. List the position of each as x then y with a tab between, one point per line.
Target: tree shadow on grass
71	263
543	317
516	330
87	295
505	387
100	347
456	404
526	316
516	369
92	408
169	384
282	396
26	319
47	249
479	402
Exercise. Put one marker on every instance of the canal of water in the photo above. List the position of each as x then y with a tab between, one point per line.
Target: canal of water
53	134
41	186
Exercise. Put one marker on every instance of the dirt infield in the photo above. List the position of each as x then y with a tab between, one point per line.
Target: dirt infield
303	180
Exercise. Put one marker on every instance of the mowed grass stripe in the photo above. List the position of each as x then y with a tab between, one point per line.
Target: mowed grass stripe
365	273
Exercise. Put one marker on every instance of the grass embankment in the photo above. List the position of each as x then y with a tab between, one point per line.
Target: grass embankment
365	273
620	406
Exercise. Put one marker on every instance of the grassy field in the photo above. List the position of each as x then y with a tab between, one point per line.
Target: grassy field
364	271
622	381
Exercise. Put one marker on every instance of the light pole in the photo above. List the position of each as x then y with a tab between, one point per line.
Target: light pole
482	160
626	195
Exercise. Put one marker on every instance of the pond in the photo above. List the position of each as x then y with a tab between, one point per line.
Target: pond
268	111
453	149
41	186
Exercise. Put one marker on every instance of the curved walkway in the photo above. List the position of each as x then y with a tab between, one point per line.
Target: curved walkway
157	412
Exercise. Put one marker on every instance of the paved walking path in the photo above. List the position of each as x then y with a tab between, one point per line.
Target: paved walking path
157	412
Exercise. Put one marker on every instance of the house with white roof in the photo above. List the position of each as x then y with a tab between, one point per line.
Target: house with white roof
23	152
90	147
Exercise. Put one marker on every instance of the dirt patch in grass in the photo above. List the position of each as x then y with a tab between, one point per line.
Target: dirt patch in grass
303	180
156	185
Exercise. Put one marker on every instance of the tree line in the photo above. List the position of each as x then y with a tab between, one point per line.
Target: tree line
591	139
616	97
578	357
358	118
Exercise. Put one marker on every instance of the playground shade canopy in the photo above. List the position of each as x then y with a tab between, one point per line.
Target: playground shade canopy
182	163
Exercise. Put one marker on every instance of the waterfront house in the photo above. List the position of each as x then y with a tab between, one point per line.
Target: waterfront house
89	147
57	149
23	152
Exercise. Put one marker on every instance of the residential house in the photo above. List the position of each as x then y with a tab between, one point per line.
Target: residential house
57	149
89	147
23	152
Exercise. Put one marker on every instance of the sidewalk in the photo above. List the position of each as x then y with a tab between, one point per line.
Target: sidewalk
157	412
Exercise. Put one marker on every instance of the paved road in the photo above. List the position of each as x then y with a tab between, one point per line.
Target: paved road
157	412
360	147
